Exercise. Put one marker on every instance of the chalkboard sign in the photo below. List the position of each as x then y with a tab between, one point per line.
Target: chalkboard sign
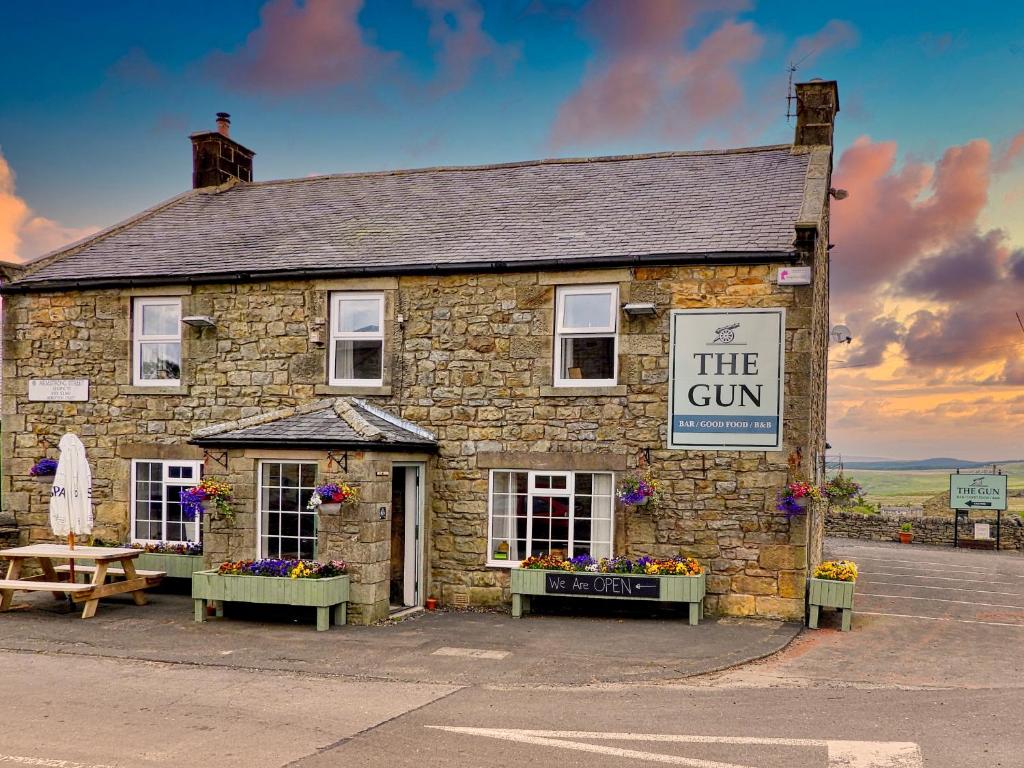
602	584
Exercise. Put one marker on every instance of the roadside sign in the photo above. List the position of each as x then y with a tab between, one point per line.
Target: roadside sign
984	492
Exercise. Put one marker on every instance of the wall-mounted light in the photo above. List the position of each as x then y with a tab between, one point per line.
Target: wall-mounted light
639	308
199	321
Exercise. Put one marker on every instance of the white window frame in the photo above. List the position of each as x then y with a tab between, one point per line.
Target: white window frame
564	332
259	504
138	304
335	335
532	490
197	472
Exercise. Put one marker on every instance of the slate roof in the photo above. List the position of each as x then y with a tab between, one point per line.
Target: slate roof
573	213
342	424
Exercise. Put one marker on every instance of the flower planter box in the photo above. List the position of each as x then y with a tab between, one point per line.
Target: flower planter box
175	566
322	594
527	582
825	593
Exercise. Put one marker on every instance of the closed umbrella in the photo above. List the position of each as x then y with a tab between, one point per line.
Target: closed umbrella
71	496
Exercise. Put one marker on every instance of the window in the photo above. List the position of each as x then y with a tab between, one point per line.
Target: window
156	504
586	346
287	529
357	339
156	339
534	513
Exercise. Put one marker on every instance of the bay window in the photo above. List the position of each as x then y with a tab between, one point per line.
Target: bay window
535	513
287	529
357	339
586	339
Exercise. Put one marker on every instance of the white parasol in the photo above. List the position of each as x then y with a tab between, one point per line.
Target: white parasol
71	496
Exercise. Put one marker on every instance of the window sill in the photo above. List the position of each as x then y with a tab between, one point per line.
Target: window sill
502	564
135	389
618	390
351	389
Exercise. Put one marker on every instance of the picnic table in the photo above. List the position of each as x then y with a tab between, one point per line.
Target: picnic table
109	562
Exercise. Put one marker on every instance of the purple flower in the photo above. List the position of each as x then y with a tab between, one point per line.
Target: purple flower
44	467
788	504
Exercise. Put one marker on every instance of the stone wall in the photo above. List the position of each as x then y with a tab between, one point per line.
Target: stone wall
472	362
926	530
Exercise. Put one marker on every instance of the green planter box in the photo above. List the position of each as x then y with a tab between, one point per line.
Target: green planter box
322	594
175	566
824	593
528	582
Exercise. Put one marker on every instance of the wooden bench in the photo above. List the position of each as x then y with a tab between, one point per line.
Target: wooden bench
25	585
155	576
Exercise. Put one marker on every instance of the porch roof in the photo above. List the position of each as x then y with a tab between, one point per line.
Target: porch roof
341	423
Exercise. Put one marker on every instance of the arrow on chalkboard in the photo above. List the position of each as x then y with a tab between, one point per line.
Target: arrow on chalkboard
641	585
978	503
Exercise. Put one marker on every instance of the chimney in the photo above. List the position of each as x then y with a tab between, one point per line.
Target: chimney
817	103
217	158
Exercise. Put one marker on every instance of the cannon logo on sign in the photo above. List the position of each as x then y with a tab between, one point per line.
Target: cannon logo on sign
602	584
727	373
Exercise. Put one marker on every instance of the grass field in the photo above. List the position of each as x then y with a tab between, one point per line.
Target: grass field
912	487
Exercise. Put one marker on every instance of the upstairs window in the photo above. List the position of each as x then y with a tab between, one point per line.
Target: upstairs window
357	339
156	342
586	342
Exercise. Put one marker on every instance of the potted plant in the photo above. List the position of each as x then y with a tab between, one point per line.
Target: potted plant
209	495
330	496
832	586
795	496
639	488
43	470
841	490
324	586
906	533
666	579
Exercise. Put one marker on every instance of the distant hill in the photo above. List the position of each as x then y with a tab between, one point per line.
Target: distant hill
916	464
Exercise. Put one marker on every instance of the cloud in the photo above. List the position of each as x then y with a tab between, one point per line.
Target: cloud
645	78
1014	149
836	34
966	268
456	30
873	336
300	47
23	233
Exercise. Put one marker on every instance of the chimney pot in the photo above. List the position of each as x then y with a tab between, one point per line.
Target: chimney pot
224	123
817	103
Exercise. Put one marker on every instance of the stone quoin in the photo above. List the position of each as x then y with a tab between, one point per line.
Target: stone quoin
451	341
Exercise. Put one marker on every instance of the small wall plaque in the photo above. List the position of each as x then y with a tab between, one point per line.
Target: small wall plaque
58	390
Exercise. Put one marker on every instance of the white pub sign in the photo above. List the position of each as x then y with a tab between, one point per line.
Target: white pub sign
726	375
978	491
58	390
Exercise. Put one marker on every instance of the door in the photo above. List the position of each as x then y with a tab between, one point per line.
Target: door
406	534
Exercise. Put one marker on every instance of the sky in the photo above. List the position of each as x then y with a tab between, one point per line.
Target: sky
97	101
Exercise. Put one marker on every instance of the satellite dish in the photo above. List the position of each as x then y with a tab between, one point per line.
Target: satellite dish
841	335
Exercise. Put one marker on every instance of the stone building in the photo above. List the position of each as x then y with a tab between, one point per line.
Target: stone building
484	351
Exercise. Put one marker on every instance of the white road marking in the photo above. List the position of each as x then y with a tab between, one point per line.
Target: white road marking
473	653
943	600
46	762
940	618
841	754
933	578
947	589
916	562
972	571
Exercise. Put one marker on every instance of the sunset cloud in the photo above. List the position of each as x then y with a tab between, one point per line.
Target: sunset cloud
23	233
644	78
835	34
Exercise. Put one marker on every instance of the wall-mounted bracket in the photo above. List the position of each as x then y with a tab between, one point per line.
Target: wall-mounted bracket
341	461
221	457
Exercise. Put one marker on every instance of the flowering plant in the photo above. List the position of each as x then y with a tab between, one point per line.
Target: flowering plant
639	487
217	492
794	497
171	548
44	467
332	493
837	570
290	569
646	565
841	489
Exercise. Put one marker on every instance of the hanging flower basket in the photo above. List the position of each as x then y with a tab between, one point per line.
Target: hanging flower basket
329	497
639	489
43	471
211	497
794	498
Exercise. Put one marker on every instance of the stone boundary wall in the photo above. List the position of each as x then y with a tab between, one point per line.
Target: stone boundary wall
927	530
